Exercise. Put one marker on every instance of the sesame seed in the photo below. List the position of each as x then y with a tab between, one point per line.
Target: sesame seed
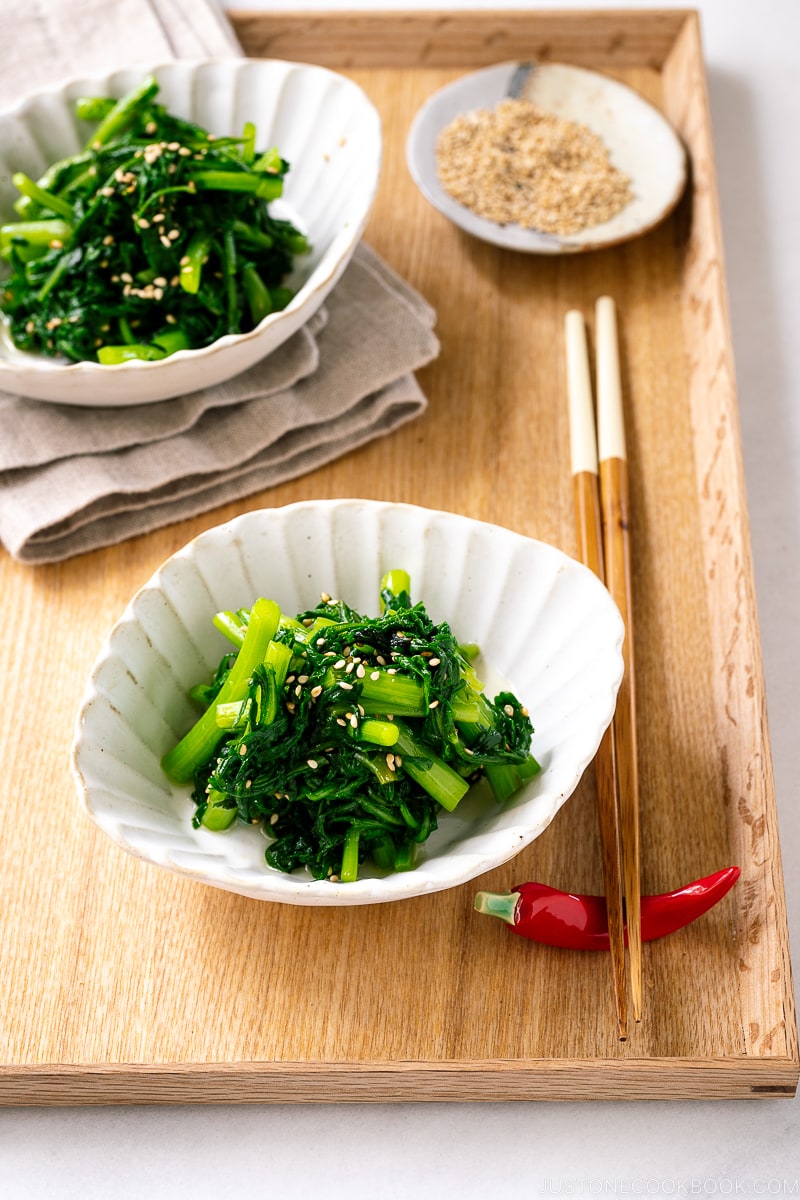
158	218
298	691
340	721
348	687
243	749
126	278
290	706
433	704
165	242
274	819
379	658
398	761
150	127
375	675
320	642
106	191
434	662
302	679
334	878
170	319
108	240
56	244
30	327
312	762
360	672
248	783
508	710
308	621
316	691
174	234
184	152
324	597
337	666
391	671
158	293
524	712
390	761
350	667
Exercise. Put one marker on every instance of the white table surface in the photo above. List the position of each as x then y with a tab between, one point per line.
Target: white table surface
736	1148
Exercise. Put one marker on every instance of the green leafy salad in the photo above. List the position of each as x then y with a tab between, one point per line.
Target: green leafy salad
156	238
344	735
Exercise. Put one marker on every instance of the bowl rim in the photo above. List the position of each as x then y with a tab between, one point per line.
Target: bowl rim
297	889
320	276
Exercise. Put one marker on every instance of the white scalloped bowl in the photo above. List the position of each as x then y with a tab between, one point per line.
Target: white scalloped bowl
546	627
322	123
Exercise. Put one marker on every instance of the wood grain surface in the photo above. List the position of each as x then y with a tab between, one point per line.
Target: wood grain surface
120	983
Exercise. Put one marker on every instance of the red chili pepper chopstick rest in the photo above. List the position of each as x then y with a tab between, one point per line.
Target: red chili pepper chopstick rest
575	922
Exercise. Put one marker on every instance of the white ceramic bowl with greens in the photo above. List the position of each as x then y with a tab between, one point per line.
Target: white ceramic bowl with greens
323	125
547	630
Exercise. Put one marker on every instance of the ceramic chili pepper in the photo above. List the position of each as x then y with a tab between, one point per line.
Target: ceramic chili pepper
575	922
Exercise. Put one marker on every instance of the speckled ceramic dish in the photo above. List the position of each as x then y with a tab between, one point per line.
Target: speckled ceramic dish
546	627
640	141
323	124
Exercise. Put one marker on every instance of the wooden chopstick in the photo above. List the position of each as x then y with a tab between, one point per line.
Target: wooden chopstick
615	505
586	493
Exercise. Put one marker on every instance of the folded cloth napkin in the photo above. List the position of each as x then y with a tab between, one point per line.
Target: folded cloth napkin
75	479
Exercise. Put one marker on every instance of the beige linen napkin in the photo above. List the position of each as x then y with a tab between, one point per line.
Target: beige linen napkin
75	479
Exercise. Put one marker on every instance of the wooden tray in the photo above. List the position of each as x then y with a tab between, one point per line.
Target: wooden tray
121	983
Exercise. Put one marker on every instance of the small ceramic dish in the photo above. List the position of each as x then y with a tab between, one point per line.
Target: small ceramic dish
640	141
321	122
546	627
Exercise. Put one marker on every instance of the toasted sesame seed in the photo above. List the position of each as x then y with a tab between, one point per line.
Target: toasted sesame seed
348	687
320	642
340	721
434	662
360	672
334	878
30	327
158	218
508	709
350	667
337	666
150	127
308	621
243	749
274	819
379	658
126	278
174	234
170	319
312	762
302	679
324	597
391	671
56	244
184	151
398	761
165	242
433	704
375	675
298	691
390	761
316	691
524	712
108	240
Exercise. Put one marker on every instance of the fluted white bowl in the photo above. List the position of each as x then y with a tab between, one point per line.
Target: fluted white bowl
546	627
321	122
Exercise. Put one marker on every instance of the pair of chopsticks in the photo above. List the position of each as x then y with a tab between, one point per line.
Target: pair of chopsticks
600	485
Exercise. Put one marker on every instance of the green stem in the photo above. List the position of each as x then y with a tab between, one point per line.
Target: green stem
36	233
496	904
348	872
258	298
42	197
379	733
266	187
193	261
431	772
218	815
124	113
199	743
229	624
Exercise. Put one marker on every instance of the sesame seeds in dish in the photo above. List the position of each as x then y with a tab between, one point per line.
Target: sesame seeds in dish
546	158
